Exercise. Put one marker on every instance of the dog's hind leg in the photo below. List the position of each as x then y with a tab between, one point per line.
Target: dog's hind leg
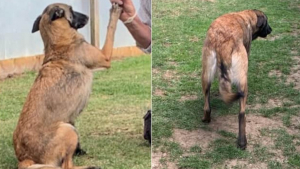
111	28
239	71
69	141
242	140
59	151
209	63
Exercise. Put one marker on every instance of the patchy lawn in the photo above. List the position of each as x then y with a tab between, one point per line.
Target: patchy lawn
180	139
110	128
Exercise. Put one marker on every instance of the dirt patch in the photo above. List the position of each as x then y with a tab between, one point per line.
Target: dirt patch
294	52
255	124
294	77
159	92
188	97
169	75
194	39
188	139
244	164
166	44
255	127
276	73
298	148
172	63
195	75
295	122
155	71
156	164
273	38
295	32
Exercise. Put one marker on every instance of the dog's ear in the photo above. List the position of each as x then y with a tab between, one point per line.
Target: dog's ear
260	21
56	13
36	24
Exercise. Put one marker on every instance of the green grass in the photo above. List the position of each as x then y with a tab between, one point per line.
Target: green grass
195	149
225	149
193	162
179	29
111	126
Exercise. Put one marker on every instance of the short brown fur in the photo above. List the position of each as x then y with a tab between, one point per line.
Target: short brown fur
45	136
226	50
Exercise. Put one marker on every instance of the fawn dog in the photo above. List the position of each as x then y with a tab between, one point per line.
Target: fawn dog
45	137
226	49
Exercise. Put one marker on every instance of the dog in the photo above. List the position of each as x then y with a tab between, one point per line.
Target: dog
226	50
45	136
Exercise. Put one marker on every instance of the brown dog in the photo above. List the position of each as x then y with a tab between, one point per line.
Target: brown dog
45	137
226	49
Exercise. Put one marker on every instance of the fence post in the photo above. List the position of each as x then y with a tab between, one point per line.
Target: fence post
94	13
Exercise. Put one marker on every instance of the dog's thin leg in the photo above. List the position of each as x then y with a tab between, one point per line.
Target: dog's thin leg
242	140
240	71
209	62
206	91
111	28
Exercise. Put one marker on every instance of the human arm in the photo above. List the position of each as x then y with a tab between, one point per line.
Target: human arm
140	28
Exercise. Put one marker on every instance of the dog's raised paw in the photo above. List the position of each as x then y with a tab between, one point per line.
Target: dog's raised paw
116	9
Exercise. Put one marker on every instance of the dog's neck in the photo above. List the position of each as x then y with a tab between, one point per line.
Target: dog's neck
58	40
58	37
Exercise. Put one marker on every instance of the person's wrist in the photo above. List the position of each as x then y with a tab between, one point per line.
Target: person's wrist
133	23
130	19
128	16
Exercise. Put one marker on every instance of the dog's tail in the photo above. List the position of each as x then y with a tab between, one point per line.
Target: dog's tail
225	86
44	166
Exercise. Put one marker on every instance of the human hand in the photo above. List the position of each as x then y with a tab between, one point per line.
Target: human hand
128	9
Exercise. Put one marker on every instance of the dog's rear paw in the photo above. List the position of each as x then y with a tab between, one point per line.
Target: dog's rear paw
242	143
242	146
206	120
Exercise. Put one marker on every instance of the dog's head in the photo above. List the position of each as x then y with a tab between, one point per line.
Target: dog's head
262	26
61	13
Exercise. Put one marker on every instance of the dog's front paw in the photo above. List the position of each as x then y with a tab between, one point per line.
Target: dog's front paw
116	9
